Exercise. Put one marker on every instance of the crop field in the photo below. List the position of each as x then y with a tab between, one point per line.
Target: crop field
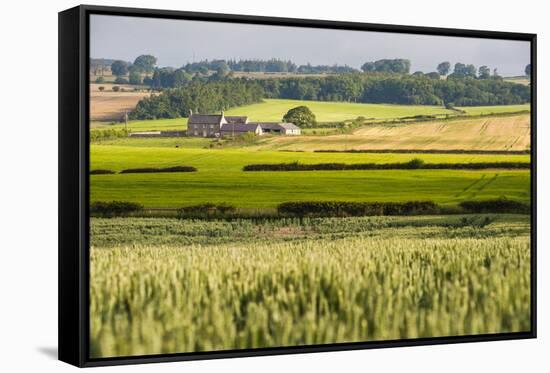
166	285
490	133
523	80
220	178
111	106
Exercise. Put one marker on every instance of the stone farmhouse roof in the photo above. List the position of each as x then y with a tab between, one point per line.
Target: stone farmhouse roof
289	126
236	119
205	119
239	127
269	125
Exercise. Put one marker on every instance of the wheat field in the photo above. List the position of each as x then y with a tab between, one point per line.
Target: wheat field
436	277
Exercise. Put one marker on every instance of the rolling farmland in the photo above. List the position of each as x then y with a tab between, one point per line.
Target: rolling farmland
221	170
274	110
187	285
334	192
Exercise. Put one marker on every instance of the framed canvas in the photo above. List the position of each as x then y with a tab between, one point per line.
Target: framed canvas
235	186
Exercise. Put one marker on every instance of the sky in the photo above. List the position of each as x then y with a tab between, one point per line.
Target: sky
176	42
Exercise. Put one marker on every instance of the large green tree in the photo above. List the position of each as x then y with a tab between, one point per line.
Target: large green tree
443	68
484	72
134	77
368	66
119	68
397	65
301	116
464	71
145	63
528	70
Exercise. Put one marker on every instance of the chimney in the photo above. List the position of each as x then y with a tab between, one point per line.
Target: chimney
222	119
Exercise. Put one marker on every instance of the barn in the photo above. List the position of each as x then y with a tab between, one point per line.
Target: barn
219	125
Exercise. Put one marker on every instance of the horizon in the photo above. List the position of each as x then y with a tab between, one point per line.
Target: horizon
208	40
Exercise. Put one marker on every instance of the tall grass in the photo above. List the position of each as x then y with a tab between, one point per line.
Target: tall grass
291	291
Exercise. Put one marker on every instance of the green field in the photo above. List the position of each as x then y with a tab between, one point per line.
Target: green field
325	111
273	110
179	124
488	110
294	282
220	178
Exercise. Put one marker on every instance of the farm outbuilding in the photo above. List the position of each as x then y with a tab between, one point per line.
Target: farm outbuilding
217	125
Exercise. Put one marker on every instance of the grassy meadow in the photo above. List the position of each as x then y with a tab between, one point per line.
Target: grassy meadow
220	178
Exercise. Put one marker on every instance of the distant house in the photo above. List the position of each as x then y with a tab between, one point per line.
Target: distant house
219	125
231	129
290	129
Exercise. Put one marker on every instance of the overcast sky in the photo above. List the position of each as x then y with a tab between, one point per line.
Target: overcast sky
176	42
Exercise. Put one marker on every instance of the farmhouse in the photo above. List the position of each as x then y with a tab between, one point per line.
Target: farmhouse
218	125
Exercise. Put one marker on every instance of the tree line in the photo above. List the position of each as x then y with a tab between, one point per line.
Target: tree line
142	65
398	89
144	71
272	65
199	97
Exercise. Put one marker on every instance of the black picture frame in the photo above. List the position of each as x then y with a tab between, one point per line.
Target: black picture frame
73	165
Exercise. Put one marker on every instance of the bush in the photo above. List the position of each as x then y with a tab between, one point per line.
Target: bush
341	209
145	170
114	208
101	88
414	163
101	172
115	88
97	135
501	205
206	210
100	80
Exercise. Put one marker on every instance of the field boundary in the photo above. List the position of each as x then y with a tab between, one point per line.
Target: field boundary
418	151
415	164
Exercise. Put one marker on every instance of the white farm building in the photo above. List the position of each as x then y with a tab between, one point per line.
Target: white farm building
219	125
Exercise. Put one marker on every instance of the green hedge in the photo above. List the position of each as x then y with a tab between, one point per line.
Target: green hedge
206	210
100	134
423	151
414	164
336	208
146	170
501	205
114	208
101	172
